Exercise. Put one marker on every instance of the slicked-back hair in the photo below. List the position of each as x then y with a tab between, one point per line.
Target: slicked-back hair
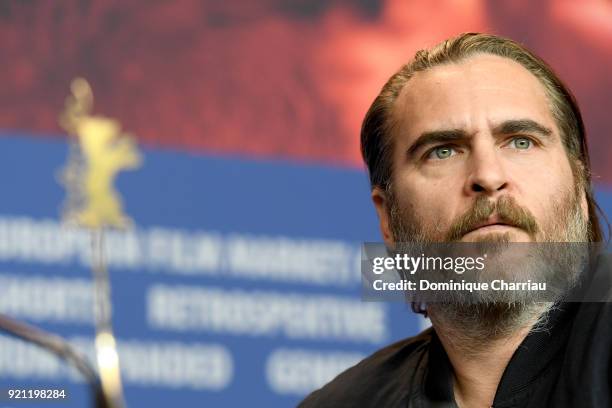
376	131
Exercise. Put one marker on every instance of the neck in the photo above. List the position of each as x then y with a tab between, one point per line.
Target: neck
480	341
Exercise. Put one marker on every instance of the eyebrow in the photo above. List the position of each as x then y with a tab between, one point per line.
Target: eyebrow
435	137
508	127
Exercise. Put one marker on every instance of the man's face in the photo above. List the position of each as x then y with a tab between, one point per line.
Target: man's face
477	155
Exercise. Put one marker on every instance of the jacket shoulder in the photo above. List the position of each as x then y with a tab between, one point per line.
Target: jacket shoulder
385	378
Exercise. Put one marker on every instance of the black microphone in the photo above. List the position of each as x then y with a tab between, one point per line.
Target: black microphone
60	348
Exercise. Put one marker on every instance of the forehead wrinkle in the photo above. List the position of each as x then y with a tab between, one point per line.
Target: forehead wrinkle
401	114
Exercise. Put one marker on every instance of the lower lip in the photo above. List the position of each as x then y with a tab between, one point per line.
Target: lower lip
491	228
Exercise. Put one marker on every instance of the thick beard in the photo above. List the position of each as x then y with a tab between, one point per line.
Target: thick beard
476	324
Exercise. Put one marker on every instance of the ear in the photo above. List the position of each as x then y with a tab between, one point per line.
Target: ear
382	205
584	206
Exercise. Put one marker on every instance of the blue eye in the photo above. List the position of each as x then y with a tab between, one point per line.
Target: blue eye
522	143
441	153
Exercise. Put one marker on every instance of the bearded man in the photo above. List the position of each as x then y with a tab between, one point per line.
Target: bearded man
477	140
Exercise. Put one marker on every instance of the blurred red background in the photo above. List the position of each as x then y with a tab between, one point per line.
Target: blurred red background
272	78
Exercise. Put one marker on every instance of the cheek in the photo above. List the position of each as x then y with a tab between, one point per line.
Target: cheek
426	201
545	190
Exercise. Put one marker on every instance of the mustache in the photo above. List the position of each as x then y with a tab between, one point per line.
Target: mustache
506	208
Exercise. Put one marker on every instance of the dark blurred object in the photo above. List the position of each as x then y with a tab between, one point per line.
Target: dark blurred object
61	349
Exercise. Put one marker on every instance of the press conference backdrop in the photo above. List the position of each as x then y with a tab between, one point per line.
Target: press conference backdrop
239	283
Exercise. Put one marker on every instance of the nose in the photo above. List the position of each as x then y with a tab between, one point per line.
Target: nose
486	173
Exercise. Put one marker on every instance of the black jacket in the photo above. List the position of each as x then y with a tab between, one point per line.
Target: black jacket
567	365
